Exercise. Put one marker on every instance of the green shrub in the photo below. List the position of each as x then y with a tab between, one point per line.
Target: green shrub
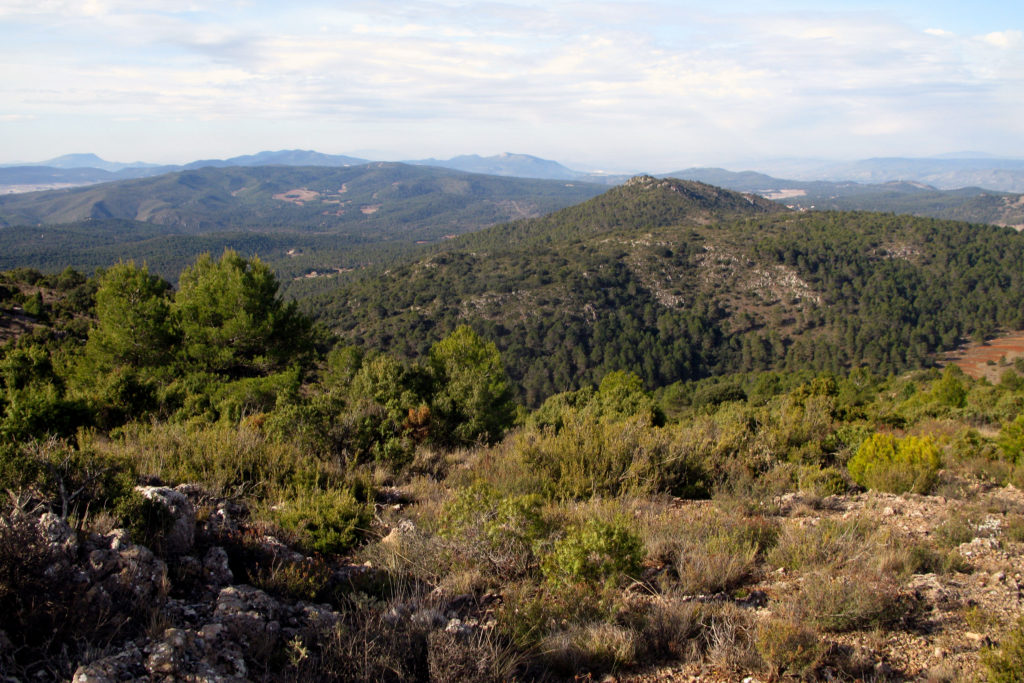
846	439
472	401
885	463
1011	439
590	457
39	411
34	306
596	551
325	521
1006	664
949	391
226	460
235	400
795	426
827	481
498	531
67	478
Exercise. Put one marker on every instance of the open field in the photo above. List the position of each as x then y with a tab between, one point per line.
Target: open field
990	359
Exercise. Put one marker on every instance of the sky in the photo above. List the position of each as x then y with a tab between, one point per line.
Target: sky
615	85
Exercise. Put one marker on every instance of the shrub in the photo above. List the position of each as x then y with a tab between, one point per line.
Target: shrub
38	411
591	457
235	400
326	521
480	656
832	542
148	521
710	553
1011	439
670	628
788	647
885	463
596	551
498	530
848	601
67	478
949	390
956	530
365	646
48	617
1013	529
1006	664
591	648
794	427
473	398
905	557
827	481
308	579
720	563
226	460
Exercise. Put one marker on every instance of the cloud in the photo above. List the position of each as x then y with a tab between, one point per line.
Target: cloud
1005	39
768	79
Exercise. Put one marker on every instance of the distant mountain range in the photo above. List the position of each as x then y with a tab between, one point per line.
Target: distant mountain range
923	187
520	166
944	173
84	169
304	216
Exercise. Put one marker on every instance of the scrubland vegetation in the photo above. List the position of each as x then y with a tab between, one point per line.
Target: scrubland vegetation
734	526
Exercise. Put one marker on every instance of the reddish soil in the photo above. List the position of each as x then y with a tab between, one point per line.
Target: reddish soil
990	359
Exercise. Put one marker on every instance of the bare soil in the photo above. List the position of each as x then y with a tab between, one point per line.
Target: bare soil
989	359
297	196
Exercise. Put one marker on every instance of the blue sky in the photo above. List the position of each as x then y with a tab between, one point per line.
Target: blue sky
622	85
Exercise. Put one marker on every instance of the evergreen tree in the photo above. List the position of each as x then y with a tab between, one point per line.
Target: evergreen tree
233	320
473	399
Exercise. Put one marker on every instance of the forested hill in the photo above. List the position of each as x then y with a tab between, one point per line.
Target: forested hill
651	279
395	198
301	220
641	202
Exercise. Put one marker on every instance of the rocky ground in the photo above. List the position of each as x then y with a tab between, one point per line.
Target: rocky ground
205	625
961	612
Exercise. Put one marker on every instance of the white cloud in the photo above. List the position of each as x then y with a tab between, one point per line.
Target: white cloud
759	79
1005	39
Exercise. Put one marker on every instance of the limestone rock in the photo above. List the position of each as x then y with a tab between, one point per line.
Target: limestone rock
181	536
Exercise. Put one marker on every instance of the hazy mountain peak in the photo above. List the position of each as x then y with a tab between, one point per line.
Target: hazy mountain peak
77	160
88	160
